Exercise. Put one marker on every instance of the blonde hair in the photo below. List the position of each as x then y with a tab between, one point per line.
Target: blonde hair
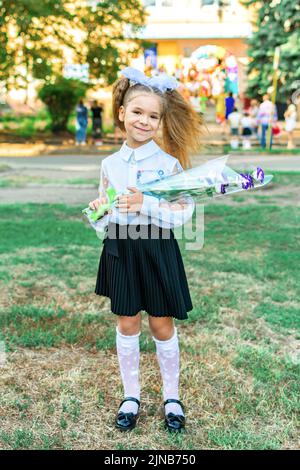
181	125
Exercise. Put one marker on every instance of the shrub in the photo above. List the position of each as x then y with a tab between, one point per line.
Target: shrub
60	98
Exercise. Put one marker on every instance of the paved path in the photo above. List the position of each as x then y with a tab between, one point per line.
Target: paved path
87	163
65	167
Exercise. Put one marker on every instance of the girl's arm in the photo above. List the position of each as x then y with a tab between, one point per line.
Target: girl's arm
168	214
101	224
103	185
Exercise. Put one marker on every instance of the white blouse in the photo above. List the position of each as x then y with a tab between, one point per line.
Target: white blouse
147	163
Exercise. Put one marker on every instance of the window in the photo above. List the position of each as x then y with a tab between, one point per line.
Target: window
207	2
158	3
220	3
149	3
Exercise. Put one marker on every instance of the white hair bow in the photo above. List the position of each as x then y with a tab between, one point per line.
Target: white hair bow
163	82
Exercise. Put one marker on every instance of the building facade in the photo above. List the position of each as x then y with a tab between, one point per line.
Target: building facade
178	27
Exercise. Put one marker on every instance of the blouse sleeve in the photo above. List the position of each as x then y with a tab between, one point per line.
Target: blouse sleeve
104	182
101	224
168	214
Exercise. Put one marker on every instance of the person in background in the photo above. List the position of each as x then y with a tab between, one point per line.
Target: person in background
234	120
97	123
221	111
182	89
229	104
265	112
193	87
290	116
253	110
246	123
81	124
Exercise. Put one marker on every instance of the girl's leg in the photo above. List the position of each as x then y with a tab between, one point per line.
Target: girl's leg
128	350
167	351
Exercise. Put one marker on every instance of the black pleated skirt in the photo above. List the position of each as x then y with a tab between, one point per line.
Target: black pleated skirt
141	268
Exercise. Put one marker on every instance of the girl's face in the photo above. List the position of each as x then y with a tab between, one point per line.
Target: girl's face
141	118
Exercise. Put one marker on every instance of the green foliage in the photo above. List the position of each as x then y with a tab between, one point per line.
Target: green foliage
32	23
19	439
276	24
242	439
61	97
34	36
276	314
124	18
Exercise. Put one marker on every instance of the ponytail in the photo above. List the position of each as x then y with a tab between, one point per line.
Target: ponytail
181	129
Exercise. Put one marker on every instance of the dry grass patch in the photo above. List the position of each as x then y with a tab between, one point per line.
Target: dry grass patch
68	398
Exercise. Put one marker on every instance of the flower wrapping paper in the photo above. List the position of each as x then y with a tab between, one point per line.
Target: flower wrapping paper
211	179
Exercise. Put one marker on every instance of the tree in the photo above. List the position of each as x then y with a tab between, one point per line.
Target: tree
35	37
33	33
111	28
276	23
60	98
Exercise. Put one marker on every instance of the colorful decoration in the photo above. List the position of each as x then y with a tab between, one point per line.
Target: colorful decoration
210	73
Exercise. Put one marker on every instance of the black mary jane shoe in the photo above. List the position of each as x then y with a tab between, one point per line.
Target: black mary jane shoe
127	421
173	422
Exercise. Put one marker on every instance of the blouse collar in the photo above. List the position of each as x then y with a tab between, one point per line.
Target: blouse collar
144	151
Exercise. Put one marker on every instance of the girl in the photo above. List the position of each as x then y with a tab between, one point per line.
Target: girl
140	266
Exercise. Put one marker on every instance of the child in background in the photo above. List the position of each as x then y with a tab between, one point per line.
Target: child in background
253	111
229	103
234	120
246	123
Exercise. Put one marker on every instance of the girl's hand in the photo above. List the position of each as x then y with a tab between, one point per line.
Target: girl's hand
130	202
98	202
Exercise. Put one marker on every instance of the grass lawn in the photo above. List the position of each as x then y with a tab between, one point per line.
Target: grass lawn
39	124
239	348
20	181
257	149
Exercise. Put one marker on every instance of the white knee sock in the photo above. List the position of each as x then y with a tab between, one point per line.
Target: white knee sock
168	358
128	350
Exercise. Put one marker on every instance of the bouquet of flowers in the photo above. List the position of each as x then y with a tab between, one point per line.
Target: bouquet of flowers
212	179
